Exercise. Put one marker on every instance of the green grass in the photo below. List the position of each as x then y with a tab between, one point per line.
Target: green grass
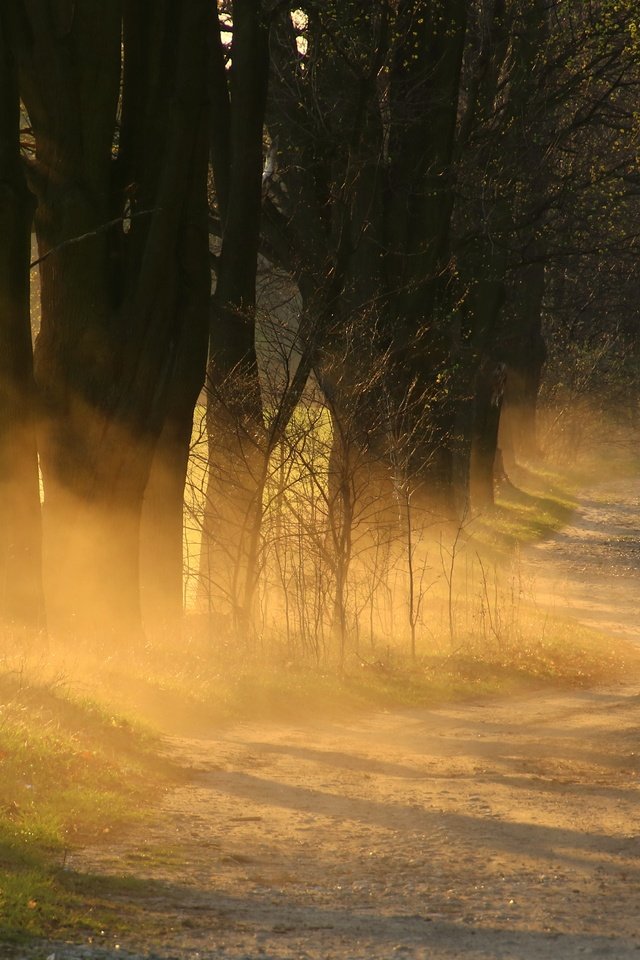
533	507
71	771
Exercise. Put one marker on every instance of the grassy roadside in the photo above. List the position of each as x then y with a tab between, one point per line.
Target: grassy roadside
70	771
532	505
566	656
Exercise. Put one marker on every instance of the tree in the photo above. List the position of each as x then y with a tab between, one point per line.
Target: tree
116	99
432	175
362	125
580	209
21	600
237	454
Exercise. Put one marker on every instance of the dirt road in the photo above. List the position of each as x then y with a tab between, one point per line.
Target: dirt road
496	830
590	570
475	832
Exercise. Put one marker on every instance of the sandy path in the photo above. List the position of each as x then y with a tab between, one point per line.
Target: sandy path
493	830
590	570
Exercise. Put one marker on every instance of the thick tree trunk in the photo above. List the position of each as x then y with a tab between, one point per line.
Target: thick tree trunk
162	535
91	564
237	450
490	381
526	364
424	89
486	302
120	299
21	598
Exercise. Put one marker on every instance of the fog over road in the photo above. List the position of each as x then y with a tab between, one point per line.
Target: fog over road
488	830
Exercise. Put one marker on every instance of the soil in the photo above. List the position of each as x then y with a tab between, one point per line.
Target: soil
489	830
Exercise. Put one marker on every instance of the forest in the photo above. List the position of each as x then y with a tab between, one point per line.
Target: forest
319	422
301	278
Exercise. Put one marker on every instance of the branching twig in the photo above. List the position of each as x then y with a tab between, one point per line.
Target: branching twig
92	233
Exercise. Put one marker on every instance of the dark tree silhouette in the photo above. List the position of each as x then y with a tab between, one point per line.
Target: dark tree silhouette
21	600
116	98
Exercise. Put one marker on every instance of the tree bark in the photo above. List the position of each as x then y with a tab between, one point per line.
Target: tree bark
526	363
424	91
489	390
21	597
118	306
237	449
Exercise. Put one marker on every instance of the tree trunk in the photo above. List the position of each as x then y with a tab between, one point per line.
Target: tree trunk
489	390
237	448
91	563
120	294
526	363
424	91
21	598
162	533
486	302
